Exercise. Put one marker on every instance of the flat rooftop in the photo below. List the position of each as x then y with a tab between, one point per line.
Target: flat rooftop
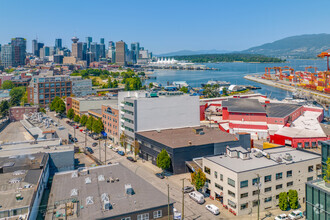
280	110
145	195
243	105
304	126
186	137
319	183
32	147
21	174
239	165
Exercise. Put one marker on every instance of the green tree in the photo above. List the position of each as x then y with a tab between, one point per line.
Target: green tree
83	120
54	104
110	84
16	95
115	84
24	98
136	145
7	85
89	123
60	108
283	201
76	118
198	179
293	199
224	91
163	160
70	114
123	141
98	126
4	108
151	85
326	171
43	110
184	89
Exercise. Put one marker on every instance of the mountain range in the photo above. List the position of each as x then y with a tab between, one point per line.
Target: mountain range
300	46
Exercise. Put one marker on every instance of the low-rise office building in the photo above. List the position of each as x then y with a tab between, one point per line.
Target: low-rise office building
110	119
81	87
145	111
233	178
185	144
23	179
105	192
95	113
82	105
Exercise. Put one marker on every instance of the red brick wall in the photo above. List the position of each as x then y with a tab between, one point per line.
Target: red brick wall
16	113
111	122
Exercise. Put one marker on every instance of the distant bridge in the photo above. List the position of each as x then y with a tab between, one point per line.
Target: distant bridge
110	90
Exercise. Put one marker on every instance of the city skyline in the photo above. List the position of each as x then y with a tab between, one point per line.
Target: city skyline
235	25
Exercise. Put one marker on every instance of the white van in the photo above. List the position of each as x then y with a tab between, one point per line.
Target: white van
197	196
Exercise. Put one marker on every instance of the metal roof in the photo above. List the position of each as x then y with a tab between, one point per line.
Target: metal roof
243	105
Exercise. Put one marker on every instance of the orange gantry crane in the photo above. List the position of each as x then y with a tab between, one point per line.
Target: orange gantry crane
268	71
326	74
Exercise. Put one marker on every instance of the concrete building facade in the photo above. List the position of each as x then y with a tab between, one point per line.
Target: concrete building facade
232	178
81	87
121	53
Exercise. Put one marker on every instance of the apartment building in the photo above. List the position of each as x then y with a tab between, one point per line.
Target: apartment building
45	87
233	178
110	119
145	111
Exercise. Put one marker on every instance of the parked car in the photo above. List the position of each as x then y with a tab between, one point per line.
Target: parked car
115	149
131	159
176	214
84	131
281	217
297	214
75	140
213	209
197	196
160	175
90	150
109	163
81	130
75	126
68	122
121	153
109	146
94	144
188	189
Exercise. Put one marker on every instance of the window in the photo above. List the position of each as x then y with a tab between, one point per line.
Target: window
268	178
144	216
268	189
289	184
216	174
255	203
289	173
244	195
268	199
218	186
318	166
158	214
255	181
221	177
244	206
309	178
231	193
310	169
255	192
278	196
127	218
207	170
278	176
231	182
231	204
244	183
280	186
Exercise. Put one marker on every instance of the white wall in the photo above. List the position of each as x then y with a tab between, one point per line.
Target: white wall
167	112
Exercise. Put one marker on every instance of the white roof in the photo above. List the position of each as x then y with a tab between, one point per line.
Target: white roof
306	125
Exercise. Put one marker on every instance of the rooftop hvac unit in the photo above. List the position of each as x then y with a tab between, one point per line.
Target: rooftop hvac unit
287	157
128	189
258	154
278	159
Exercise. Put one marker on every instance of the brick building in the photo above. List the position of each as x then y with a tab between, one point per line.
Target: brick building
110	119
16	113
45	87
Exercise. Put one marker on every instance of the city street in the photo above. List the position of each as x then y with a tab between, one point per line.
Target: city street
147	171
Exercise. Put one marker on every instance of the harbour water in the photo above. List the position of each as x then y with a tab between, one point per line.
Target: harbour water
234	73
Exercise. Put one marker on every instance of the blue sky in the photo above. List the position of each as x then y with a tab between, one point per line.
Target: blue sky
164	26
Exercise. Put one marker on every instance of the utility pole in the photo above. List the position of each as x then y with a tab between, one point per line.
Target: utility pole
168	201
100	150
85	140
182	199
105	151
